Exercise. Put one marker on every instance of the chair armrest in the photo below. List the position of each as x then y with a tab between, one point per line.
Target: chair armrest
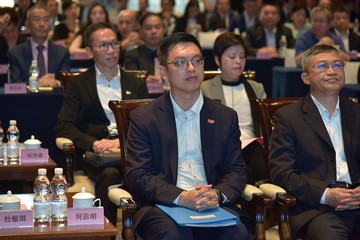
271	189
60	141
123	199
249	192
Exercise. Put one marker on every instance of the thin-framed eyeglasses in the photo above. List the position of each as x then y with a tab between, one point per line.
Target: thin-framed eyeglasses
183	64
104	46
324	66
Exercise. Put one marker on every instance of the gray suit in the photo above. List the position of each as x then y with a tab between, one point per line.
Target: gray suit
213	89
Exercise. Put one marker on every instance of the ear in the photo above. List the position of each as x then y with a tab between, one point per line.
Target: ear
89	52
163	73
305	78
217	61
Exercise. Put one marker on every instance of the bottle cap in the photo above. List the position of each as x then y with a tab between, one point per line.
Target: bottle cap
12	122
42	171
58	171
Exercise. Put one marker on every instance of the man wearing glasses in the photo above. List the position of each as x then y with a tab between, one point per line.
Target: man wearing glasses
315	152
85	117
184	149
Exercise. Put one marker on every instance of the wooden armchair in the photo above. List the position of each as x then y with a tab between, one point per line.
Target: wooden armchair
65	77
266	109
119	196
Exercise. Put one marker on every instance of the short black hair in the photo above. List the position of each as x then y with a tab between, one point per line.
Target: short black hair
226	40
146	16
88	35
170	41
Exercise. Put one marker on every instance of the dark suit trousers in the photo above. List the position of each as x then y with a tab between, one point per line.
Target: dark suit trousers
333	225
103	178
157	225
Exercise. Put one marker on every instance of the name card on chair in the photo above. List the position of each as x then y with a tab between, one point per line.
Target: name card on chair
85	216
263	55
15	88
35	155
155	87
80	56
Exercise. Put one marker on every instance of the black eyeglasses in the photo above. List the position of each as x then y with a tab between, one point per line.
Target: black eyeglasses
324	66
183	64
105	45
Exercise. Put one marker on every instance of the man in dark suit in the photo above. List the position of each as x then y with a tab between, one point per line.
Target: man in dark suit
341	23
184	149
143	58
247	18
85	117
265	37
53	58
315	152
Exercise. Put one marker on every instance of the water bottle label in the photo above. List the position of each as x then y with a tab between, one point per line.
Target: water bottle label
59	207
33	83
41	209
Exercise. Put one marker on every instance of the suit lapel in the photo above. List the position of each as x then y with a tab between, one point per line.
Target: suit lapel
90	85
314	120
165	115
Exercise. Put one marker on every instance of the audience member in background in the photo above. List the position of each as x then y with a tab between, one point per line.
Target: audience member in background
248	17
285	10
319	33
353	15
184	149
22	7
264	37
118	6
314	153
222	17
128	27
299	22
143	5
97	13
55	17
192	21
51	57
9	34
350	39
310	4
85	116
65	32
168	16
144	57
235	91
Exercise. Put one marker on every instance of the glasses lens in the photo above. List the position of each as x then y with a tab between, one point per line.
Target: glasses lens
337	66
322	66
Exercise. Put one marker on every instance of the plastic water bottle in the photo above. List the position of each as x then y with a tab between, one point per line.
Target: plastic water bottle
59	199
1	143
34	76
42	199
282	46
13	135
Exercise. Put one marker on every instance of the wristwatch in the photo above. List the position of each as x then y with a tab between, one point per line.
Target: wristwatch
220	196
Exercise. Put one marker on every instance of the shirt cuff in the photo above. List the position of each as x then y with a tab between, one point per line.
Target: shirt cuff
323	197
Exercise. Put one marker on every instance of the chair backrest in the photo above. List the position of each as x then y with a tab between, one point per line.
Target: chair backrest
122	110
210	74
266	109
65	77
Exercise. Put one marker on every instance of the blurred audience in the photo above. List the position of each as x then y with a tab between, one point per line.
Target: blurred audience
192	20
22	7
248	17
350	39
128	27
55	16
64	33
39	48
168	16
9	33
144	57
264	37
97	13
222	17
116	8
285	10
319	33
299	22
143	5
